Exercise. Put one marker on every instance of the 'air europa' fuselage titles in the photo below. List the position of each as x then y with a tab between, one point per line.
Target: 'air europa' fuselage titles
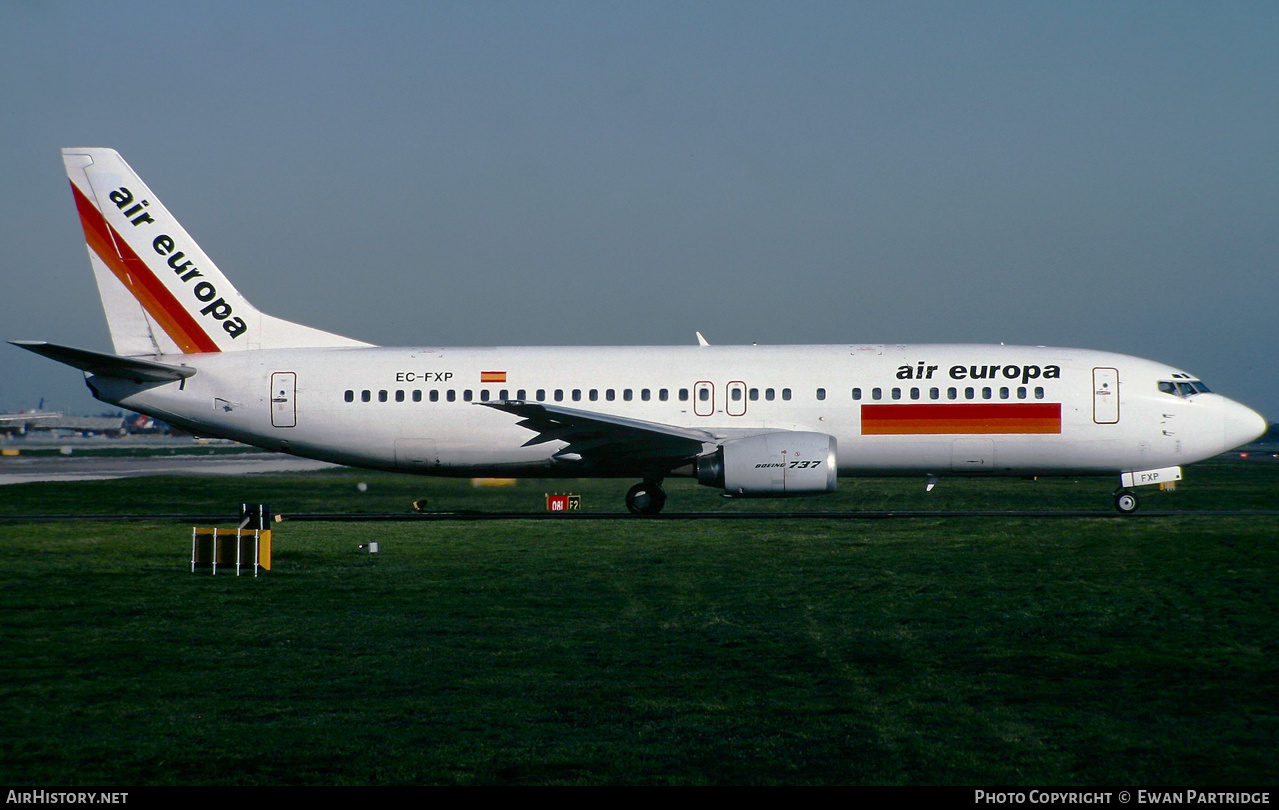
922	371
752	421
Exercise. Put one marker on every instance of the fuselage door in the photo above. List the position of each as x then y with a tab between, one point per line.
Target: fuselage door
1105	396
735	399
704	398
284	390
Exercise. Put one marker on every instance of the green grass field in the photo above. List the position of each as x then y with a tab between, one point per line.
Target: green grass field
1018	651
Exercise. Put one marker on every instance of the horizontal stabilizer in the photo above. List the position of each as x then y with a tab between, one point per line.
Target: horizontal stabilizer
107	365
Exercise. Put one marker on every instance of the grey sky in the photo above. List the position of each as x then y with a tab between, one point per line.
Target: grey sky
1103	175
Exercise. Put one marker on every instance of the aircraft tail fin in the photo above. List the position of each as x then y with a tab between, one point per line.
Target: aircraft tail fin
161	293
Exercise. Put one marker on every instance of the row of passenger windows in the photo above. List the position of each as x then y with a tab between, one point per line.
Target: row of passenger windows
951	393
592	395
663	395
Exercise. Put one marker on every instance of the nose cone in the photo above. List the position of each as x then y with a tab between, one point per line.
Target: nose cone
1242	424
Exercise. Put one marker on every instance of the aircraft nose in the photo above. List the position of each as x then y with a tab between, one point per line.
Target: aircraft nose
1242	424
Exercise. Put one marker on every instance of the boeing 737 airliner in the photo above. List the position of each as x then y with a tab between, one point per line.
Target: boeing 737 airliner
751	420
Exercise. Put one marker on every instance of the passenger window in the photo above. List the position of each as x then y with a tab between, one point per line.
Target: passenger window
595	394
381	396
857	394
349	396
577	395
770	394
1021	392
821	394
683	395
704	394
934	393
1003	393
435	395
484	394
366	396
786	394
541	395
626	395
735	394
644	394
754	395
663	394
877	393
399	396
897	393
914	393
952	393
451	396
466	395
1039	392
559	394
985	393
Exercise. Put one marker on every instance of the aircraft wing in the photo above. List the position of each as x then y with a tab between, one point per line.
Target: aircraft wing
107	365
604	438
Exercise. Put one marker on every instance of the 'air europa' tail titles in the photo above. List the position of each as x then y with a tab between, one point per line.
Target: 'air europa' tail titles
156	299
161	292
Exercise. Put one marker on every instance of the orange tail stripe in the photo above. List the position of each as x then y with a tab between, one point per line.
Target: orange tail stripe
133	273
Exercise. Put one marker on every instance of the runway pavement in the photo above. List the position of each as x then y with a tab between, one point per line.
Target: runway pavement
465	516
82	466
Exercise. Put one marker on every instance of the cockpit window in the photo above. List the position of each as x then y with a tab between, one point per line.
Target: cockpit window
1182	388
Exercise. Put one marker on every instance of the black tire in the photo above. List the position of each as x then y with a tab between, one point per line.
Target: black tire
645	499
1126	502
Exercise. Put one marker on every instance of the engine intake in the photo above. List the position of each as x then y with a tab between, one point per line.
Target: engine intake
789	462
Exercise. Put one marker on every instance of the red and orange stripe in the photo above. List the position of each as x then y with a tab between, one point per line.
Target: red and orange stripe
134	274
986	417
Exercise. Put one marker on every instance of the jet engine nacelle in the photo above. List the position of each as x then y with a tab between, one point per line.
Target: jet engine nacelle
788	462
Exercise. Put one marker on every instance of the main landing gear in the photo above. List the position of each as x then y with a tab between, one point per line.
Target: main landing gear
646	498
1126	501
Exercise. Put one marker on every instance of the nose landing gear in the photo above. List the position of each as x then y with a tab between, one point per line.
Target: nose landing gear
1126	501
646	498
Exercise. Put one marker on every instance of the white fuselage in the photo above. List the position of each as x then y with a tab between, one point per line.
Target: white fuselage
973	409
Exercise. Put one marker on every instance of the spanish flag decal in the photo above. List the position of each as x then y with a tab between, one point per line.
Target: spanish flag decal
985	417
493	376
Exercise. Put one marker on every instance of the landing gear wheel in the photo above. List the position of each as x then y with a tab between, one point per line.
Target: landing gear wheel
646	498
1125	502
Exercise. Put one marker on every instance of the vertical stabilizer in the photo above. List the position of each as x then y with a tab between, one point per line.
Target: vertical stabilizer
161	293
